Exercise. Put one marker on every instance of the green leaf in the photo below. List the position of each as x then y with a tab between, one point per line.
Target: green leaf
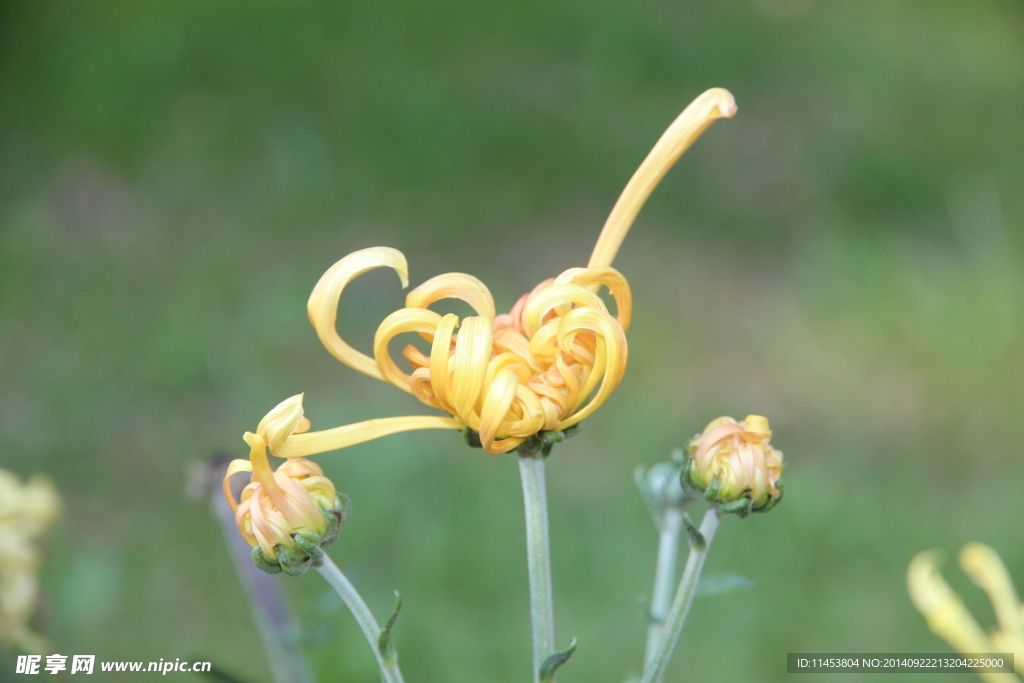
721	584
386	643
551	664
697	540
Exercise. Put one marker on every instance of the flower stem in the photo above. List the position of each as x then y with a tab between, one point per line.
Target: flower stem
542	617
664	576
655	668
364	617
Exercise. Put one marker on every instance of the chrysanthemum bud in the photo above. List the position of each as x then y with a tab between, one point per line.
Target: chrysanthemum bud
733	464
288	537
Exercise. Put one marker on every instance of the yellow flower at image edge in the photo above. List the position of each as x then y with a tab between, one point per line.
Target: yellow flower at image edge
26	512
948	618
734	464
544	366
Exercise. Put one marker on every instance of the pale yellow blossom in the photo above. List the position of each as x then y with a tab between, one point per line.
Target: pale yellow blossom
948	618
26	512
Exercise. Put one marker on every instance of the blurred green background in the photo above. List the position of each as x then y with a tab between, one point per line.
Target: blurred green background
845	257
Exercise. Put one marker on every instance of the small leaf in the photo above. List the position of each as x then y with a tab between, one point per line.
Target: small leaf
551	664
386	643
721	584
697	540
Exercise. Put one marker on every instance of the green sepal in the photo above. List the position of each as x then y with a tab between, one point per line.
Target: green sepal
472	437
542	442
309	544
740	507
697	540
551	664
294	561
386	641
711	494
263	563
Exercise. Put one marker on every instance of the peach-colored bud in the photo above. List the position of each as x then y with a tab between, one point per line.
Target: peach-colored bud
734	461
289	539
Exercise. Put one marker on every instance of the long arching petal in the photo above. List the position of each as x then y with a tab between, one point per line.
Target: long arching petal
323	302
713	104
300	445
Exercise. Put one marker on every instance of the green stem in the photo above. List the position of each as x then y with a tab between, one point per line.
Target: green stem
664	576
542	616
389	670
655	669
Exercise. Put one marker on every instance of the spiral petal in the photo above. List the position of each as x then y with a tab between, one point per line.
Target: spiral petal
323	302
453	286
401	321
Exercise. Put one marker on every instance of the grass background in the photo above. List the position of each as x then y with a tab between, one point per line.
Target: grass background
845	256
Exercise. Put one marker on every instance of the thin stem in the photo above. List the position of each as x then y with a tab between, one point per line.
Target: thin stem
542	616
364	617
276	625
664	577
655	669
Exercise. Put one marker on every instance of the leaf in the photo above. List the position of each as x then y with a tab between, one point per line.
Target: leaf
721	584
697	540
386	643
551	664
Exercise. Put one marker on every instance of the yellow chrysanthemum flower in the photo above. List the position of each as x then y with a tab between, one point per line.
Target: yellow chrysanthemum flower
734	463
544	366
26	512
949	619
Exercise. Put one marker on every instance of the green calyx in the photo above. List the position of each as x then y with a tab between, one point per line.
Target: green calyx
306	549
727	501
541	442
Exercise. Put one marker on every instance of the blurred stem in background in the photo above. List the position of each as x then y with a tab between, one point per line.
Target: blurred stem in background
700	542
277	627
664	577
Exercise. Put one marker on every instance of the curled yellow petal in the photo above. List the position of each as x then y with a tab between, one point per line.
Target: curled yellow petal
453	286
472	353
497	401
234	467
611	350
323	302
942	608
557	296
281	421
440	356
989	573
265	475
401	321
713	104
310	443
616	283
